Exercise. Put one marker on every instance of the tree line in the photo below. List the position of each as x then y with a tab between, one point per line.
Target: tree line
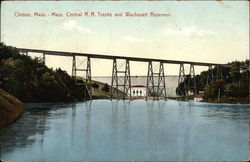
231	87
30	80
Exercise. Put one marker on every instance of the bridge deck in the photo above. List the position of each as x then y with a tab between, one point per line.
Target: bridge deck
100	56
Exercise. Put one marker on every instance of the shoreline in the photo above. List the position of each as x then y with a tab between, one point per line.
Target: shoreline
135	99
11	109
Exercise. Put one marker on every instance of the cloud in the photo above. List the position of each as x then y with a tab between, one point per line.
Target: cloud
193	30
74	26
133	39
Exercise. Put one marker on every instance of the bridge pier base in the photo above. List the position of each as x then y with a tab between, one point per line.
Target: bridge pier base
156	90
121	80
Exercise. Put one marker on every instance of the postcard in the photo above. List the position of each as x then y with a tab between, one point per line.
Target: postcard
124	81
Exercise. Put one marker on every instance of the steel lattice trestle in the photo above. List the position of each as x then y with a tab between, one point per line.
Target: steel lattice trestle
161	89
88	88
156	90
219	74
191	81
181	79
44	57
210	74
102	56
152	87
74	67
150	79
121	80
86	76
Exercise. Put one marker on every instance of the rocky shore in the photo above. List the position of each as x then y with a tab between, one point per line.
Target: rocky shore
10	108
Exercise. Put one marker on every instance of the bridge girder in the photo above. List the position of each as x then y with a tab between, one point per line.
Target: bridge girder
101	56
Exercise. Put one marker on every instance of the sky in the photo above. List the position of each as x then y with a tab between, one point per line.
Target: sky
212	31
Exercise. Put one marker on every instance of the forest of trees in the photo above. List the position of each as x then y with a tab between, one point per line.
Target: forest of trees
232	87
30	80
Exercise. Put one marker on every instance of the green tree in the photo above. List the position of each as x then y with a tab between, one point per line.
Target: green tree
31	80
233	87
106	88
234	71
215	90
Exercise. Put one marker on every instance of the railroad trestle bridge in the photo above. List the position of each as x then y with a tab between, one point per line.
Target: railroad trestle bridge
155	76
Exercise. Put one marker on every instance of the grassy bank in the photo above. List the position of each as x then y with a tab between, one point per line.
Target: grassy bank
10	108
100	93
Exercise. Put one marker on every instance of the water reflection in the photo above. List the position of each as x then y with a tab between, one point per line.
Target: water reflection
87	123
73	115
120	121
19	135
30	127
128	130
236	112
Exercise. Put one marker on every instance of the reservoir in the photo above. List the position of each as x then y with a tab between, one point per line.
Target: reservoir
105	130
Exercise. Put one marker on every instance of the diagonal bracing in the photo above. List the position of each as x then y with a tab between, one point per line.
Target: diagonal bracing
121	81
86	69
156	86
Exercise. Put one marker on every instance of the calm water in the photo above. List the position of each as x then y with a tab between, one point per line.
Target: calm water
138	130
